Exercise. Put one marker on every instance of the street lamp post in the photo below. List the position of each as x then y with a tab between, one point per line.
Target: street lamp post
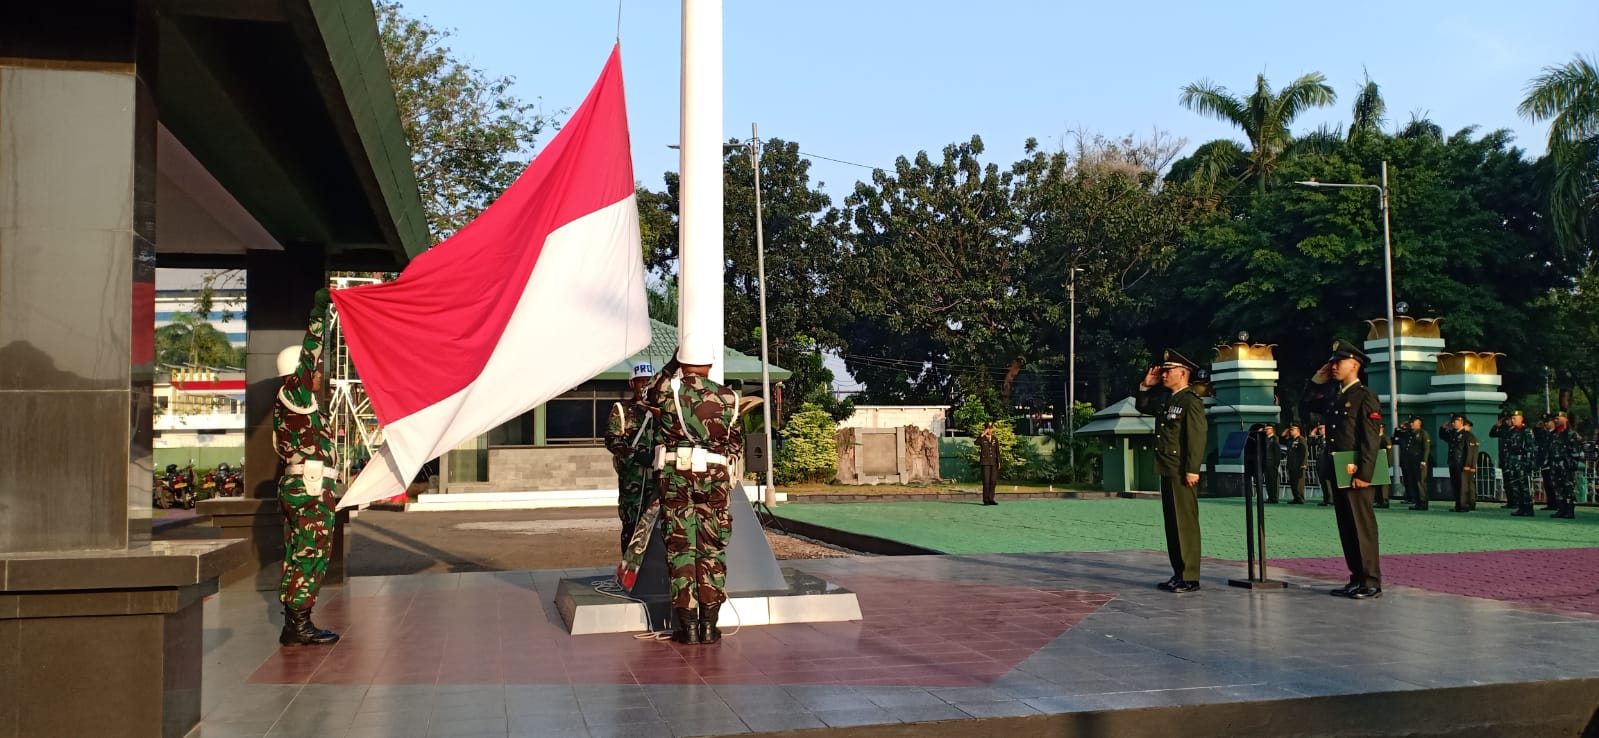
1388	271
1070	416
760	276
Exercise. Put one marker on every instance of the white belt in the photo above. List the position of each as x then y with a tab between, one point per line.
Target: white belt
299	470
662	459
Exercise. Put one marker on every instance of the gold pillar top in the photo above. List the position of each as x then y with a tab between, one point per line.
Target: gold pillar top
1241	350
1407	327
1468	362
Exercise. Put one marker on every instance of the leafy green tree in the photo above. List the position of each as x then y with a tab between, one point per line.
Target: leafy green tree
191	341
468	134
809	451
1298	266
1568	97
1264	116
937	253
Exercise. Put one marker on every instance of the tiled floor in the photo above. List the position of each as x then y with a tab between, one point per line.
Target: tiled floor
1559	579
943	637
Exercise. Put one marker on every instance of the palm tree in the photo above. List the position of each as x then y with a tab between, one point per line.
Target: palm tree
1369	110
1264	116
1568	96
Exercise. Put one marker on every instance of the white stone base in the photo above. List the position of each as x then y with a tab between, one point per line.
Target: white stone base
540	500
808	600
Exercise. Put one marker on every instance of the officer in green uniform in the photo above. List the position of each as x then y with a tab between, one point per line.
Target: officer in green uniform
1298	455
1180	430
988	460
632	445
1354	424
1542	435
304	442
700	441
1415	460
1519	451
1565	456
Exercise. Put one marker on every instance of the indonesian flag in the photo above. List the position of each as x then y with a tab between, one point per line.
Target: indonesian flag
543	291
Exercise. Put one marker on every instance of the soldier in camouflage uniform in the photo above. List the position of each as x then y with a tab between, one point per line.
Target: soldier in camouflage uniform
699	445
304	442
1565	456
1519	453
632	445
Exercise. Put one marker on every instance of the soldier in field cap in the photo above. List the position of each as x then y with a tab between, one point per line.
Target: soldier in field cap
1180	429
1354	423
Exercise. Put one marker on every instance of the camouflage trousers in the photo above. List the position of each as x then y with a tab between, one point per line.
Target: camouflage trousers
1518	486
630	482
698	526
307	539
1563	486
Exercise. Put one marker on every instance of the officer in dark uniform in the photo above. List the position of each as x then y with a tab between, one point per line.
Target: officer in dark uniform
1543	436
1318	451
1180	429
1463	449
1415	460
1298	459
1354	423
988	459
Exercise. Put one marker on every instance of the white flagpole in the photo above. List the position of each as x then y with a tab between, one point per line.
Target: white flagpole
700	259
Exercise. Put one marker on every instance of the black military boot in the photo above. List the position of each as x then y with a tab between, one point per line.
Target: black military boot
709	633
299	631
1567	510
1523	511
688	626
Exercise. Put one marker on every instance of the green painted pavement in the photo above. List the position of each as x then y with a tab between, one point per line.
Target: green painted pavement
1293	531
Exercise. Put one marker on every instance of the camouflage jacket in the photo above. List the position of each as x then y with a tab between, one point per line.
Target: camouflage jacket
696	411
1516	447
622	436
300	429
1565	450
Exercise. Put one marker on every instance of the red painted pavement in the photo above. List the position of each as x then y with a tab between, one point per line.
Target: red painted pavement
498	634
1560	579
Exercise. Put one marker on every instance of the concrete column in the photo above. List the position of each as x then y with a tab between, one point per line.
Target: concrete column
1244	383
100	629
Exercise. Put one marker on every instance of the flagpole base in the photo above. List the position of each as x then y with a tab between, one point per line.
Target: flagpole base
1267	584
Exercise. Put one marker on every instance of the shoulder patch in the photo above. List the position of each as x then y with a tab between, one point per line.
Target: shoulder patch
1375	416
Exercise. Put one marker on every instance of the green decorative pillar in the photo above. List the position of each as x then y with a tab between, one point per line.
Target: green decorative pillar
1419	341
1243	389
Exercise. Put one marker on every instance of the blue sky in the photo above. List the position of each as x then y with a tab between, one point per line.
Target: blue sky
869	80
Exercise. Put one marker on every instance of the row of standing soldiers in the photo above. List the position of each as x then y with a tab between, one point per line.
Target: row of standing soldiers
1554	452
674	445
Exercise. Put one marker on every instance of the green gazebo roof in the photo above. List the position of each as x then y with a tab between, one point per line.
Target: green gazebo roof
663	344
1120	419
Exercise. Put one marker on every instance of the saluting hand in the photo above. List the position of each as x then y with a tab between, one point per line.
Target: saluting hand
1152	377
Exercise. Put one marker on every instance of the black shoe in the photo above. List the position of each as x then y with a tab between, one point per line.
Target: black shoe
1524	511
1296	502
1271	502
1344	590
1365	593
1508	504
1184	587
1567	510
299	631
709	633
1551	506
1169	584
688	625
1418	507
990	502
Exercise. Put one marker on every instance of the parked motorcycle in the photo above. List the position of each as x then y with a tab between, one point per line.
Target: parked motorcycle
230	480
177	488
209	484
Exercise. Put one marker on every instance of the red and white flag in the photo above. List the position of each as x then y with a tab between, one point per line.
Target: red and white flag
544	290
